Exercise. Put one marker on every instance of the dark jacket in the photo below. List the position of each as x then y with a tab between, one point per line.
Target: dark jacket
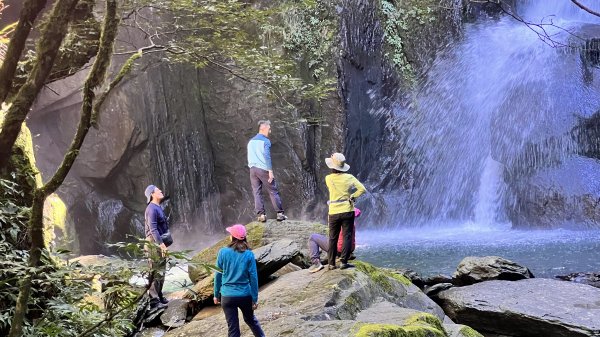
156	222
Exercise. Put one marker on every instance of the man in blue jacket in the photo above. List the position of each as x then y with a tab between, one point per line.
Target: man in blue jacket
261	172
155	226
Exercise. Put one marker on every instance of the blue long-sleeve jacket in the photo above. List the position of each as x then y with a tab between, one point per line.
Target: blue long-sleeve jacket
239	277
156	222
259	152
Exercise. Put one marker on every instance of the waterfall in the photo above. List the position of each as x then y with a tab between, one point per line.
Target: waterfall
491	187
498	101
108	211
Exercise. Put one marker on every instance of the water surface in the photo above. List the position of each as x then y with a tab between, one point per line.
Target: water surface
434	250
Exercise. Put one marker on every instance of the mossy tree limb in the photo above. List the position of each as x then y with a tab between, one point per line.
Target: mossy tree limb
36	225
49	43
125	69
30	11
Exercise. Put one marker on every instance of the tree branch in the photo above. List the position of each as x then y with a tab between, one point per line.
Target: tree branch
95	78
36	223
538	28
585	8
30	11
46	52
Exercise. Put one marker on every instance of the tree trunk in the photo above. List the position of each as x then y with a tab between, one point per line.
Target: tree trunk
46	51
36	224
36	227
30	11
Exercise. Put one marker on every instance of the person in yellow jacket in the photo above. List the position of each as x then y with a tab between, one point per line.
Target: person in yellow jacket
343	188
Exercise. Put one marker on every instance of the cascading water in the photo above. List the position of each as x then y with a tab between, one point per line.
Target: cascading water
485	104
499	105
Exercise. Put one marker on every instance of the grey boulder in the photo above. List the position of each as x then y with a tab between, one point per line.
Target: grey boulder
473	269
526	308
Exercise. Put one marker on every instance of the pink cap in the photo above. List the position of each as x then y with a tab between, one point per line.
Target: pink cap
237	231
356	212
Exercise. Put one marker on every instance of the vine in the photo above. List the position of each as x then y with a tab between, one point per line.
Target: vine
398	20
309	32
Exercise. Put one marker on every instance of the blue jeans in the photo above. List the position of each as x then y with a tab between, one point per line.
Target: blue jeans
258	178
230	307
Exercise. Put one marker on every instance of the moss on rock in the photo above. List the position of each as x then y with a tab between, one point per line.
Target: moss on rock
381	276
56	228
391	330
467	331
424	318
196	272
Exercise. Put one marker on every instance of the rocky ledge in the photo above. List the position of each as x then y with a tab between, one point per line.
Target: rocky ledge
362	301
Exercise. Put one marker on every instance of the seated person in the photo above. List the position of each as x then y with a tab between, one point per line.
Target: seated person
318	243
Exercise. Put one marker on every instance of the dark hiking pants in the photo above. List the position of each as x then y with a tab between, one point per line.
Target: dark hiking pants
338	222
230	307
158	265
258	178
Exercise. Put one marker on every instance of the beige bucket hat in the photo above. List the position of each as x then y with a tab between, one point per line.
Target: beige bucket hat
337	161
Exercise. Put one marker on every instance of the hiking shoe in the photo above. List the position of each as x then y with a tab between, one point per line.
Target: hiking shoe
352	257
164	300
262	218
281	216
157	304
315	267
331	267
346	266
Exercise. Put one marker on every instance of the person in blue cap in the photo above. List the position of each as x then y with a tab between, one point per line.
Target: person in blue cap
156	227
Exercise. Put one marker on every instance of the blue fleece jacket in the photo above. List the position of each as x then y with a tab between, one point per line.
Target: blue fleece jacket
239	277
259	152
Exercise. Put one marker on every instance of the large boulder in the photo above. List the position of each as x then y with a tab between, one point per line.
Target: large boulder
274	256
474	269
365	301
592	279
262	234
530	307
176	314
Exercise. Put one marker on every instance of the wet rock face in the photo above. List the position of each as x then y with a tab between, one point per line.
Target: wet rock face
531	307
186	131
372	86
565	196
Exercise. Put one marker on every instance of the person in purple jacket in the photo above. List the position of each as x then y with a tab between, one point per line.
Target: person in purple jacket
155	226
261	172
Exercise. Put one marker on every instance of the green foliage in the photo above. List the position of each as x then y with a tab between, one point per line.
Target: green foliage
13	217
398	18
70	296
309	32
244	41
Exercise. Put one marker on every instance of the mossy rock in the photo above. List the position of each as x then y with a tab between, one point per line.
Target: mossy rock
425	319
209	255
391	330
259	234
467	331
459	330
381	276
56	229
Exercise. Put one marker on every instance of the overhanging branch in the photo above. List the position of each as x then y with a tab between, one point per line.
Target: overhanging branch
585	8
